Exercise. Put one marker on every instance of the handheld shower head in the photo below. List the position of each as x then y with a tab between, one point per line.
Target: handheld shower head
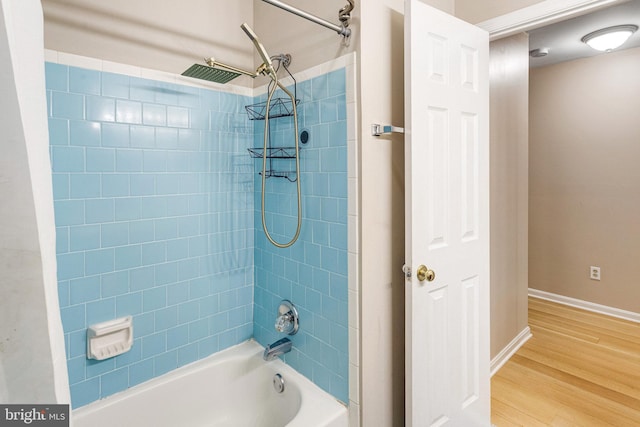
259	47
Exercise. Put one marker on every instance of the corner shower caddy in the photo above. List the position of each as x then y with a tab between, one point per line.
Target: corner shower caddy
280	107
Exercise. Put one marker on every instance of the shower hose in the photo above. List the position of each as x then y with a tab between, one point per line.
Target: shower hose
272	90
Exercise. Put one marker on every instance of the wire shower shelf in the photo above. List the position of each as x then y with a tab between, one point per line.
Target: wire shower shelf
280	107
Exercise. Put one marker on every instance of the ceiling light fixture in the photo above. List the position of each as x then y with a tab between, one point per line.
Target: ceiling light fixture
607	39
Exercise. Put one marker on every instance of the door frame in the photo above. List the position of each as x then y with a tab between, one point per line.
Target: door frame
539	15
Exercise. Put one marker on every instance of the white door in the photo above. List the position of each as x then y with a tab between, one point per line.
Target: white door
447	219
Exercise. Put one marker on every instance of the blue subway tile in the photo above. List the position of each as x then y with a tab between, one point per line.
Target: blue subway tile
165	319
85	392
167	184
116	234
336	82
177	293
166	228
67	105
154	114
84	237
188	354
141	231
60	186
85	186
141	278
73	318
113	382
177	117
166	138
63	293
165	362
129	161
166	273
115	135
70	265
100	160
154	299
75	368
154	344
142	137
177	249
153	253
154	207
57	76
144	324
328	110
116	185
115	85
98	211
189	139
100	109
125	208
99	261
113	284
84	81
198	330
58	131
67	159
135	354
142	185
188	312
96	368
140	372
128	257
177	336
155	161
129	304
78	344
128	112
101	311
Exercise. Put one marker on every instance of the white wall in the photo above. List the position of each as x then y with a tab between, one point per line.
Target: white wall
166	36
32	358
585	180
509	189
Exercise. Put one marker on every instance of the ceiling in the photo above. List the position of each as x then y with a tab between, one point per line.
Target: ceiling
563	38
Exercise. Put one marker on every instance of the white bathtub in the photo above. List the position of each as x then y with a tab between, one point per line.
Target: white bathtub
233	388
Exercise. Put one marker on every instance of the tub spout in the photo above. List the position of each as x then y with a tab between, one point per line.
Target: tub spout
279	347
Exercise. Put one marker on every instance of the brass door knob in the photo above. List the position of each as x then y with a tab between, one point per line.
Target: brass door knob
425	273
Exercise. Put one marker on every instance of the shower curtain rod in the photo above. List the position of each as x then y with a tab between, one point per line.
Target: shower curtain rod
342	30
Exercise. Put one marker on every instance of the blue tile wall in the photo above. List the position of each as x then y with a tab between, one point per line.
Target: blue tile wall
313	272
153	194
157	211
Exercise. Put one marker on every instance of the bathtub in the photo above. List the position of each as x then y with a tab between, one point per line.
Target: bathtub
232	388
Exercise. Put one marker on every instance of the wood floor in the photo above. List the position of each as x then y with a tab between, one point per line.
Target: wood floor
578	369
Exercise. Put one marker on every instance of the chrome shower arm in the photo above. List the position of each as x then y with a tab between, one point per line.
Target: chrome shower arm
342	30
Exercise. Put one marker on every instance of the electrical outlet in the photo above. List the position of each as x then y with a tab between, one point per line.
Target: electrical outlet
594	273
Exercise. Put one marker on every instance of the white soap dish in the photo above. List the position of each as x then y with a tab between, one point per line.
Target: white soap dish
110	338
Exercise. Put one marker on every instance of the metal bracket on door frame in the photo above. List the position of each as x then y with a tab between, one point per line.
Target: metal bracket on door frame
378	129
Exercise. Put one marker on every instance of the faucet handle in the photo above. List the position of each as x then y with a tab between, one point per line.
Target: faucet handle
287	320
283	323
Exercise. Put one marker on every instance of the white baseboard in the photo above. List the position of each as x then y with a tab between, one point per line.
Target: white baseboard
509	350
586	305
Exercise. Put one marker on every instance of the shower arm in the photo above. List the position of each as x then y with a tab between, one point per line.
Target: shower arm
262	69
344	15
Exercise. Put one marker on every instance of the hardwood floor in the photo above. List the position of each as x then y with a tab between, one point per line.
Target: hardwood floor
578	369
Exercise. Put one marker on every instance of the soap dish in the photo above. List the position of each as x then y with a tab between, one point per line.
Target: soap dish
110	338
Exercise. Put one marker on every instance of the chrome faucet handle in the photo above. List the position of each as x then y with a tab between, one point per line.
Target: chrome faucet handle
284	323
287	320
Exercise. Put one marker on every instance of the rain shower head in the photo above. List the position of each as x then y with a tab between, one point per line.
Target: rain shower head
205	72
223	74
259	47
